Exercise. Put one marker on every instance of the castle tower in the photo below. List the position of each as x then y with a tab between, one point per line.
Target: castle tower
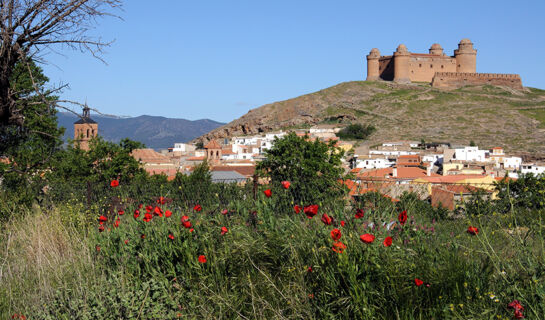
436	49
213	151
466	57
401	64
373	65
85	129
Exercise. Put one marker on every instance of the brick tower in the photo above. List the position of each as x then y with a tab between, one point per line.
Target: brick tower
466	57
85	129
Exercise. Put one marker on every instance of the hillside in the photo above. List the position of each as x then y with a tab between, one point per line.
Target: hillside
154	132
488	115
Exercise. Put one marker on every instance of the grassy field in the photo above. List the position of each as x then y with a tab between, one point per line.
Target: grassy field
269	262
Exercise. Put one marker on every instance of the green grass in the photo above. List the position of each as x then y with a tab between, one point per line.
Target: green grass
538	114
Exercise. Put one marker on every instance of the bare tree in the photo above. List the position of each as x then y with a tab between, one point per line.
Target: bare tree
29	27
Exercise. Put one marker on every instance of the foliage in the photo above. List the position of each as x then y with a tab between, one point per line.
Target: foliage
526	192
356	131
312	167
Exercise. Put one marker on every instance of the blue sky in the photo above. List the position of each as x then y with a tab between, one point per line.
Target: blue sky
219	59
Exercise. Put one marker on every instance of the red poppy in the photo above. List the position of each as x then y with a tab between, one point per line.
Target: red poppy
121	212
367	238
168	213
473	230
268	193
338	247
147	217
171	237
309	269
158	211
191	230
186	224
515	304
342	223
418	282
114	183
126	241
387	241
136	214
518	314
140	206
149	208
97	248
402	217
286	184
326	219
161	200
359	214
336	234
116	223
224	230
101	228
224	211
197	208
143	236
311	210
311	295
202	259
102	219
297	208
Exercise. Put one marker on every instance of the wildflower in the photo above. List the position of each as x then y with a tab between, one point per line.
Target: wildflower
387	241
224	211
121	212
157	211
326	219
102	219
309	269
202	259
171	237
143	236
149	208
197	208
472	230
418	282
185	222
101	228
116	223
297	208
140	206
338	247
147	217
336	234
402	217
114	183
168	213
359	214
518	314
97	247
161	200
224	230
285	184
515	304
126	241
136	214
311	210
311	295
342	223
268	193
367	238
191	230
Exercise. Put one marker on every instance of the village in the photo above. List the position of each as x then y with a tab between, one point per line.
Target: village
443	173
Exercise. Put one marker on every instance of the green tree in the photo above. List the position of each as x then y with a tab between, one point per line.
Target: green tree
312	167
356	131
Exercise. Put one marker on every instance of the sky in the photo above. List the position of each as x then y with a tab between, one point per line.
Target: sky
219	59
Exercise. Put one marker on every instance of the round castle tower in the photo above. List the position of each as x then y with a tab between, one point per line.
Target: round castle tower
466	57
401	64
373	65
436	49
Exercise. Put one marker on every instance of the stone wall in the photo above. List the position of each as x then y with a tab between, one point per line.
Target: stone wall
457	80
386	68
422	67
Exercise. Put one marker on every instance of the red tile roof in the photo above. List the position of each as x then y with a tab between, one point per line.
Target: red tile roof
402	173
149	156
196	158
247	171
213	144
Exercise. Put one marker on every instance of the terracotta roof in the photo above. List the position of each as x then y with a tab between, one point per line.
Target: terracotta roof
409	156
168	172
227	151
402	173
196	158
213	144
247	171
149	156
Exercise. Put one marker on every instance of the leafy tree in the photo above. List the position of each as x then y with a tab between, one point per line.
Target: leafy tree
472	143
312	167
356	131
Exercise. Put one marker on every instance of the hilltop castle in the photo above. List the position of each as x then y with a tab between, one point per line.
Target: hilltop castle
435	67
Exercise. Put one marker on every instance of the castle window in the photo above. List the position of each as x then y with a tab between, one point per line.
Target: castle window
420	65
431	65
87	133
441	66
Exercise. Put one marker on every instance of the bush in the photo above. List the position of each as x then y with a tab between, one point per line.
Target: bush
356	132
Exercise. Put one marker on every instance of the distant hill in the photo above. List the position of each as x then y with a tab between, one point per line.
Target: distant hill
490	116
154	132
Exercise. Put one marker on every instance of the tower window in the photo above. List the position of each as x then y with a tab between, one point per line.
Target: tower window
441	66
420	65
431	65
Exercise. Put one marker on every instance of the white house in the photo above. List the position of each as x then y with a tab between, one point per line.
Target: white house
512	163
183	147
533	168
471	154
373	163
392	152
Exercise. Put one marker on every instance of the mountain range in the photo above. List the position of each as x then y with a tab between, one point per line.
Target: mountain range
155	132
488	115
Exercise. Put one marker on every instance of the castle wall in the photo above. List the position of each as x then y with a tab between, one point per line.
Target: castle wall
457	80
386	68
422	67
